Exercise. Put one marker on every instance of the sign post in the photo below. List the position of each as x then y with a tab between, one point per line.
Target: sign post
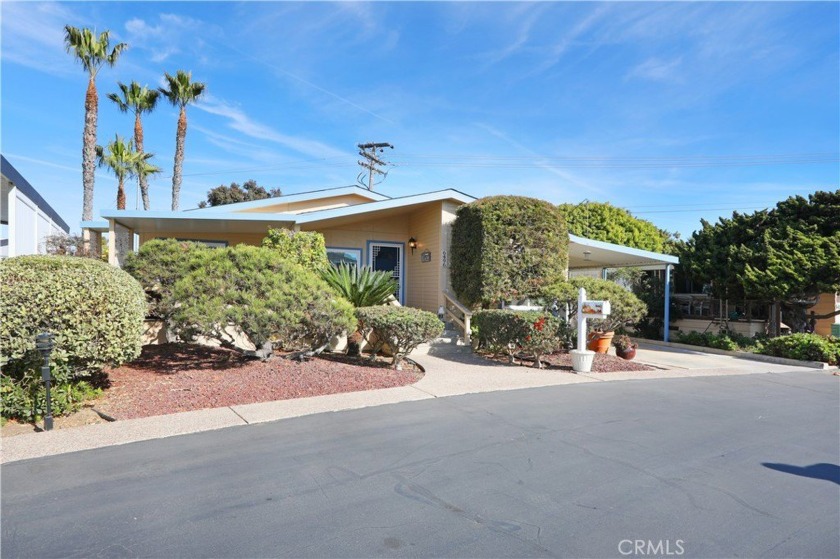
582	358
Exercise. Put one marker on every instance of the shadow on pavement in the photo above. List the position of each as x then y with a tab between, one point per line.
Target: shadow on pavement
827	472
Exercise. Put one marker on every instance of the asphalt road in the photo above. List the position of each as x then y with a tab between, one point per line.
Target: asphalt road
741	466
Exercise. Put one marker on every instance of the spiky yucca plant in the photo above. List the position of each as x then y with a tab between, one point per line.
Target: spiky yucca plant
361	285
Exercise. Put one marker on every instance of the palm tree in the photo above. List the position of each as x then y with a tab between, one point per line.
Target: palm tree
181	92
142	169
122	160
140	100
92	51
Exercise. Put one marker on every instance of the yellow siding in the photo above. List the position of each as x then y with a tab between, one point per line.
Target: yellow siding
423	278
311	205
827	303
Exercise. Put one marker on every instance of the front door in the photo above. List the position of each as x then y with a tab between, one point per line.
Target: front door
388	257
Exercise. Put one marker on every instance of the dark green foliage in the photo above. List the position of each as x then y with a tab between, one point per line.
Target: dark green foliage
605	222
805	347
506	248
234	193
306	248
361	285
626	308
259	292
789	252
402	328
158	265
534	332
24	395
730	341
94	310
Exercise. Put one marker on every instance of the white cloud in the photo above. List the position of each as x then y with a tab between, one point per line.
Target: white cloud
238	120
657	69
33	36
171	34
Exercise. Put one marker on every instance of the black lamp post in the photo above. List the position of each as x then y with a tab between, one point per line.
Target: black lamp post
44	343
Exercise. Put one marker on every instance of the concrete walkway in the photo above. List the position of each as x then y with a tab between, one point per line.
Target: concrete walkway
450	370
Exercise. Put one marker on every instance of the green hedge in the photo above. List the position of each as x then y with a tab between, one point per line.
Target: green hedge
306	248
625	308
258	291
534	332
402	328
94	310
805	347
730	341
506	248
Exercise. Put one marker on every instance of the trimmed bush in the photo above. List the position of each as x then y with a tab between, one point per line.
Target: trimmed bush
361	285
260	293
306	248
158	265
625	307
533	332
805	347
723	340
507	248
94	310
402	328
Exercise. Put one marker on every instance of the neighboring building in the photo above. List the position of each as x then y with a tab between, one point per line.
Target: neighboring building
408	236
827	303
26	217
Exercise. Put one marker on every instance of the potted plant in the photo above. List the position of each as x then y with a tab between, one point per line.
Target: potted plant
599	341
624	347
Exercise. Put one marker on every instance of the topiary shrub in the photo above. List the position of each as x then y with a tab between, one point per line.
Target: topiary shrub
805	347
260	293
402	328
507	248
95	312
306	248
158	265
625	307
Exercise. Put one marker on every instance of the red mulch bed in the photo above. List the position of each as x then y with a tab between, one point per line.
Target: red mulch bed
603	363
172	378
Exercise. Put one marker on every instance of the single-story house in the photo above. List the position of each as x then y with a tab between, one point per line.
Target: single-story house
26	218
408	236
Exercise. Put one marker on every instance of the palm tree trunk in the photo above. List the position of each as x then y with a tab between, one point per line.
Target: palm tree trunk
120	193
179	158
89	150
138	144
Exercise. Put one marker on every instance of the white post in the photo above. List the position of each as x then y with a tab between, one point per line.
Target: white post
582	358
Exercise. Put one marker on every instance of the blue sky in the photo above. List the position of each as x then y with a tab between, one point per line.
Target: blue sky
654	107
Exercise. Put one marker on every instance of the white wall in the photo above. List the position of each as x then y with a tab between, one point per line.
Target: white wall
28	225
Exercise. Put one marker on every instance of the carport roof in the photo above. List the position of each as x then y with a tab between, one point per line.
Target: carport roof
588	253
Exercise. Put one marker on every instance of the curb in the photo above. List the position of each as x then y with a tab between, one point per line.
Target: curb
741	354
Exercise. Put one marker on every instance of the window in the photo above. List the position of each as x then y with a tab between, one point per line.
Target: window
339	255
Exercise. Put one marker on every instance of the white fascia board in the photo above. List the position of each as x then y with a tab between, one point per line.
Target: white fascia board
95	225
140	214
290	198
392	203
664	258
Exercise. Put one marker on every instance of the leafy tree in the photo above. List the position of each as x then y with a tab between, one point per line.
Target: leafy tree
605	222
783	256
625	307
119	156
305	248
234	193
92	52
139	100
180	91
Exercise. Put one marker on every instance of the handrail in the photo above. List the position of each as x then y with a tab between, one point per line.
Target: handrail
464	322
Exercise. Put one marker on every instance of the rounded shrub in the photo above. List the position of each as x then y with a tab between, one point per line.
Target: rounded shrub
533	332
805	347
625	307
507	248
402	328
95	312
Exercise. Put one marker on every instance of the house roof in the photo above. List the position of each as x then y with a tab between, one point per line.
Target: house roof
296	197
589	253
13	175
224	221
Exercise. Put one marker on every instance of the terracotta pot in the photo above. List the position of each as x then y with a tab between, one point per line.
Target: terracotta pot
599	342
628	353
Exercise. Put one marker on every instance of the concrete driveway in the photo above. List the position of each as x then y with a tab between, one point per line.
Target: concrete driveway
742	465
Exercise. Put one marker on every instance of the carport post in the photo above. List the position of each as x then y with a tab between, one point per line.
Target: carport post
667	301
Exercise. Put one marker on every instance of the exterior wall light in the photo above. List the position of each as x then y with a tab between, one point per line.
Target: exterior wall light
412	244
587	254
45	344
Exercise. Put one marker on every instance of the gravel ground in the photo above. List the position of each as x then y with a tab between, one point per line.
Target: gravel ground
603	363
172	378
